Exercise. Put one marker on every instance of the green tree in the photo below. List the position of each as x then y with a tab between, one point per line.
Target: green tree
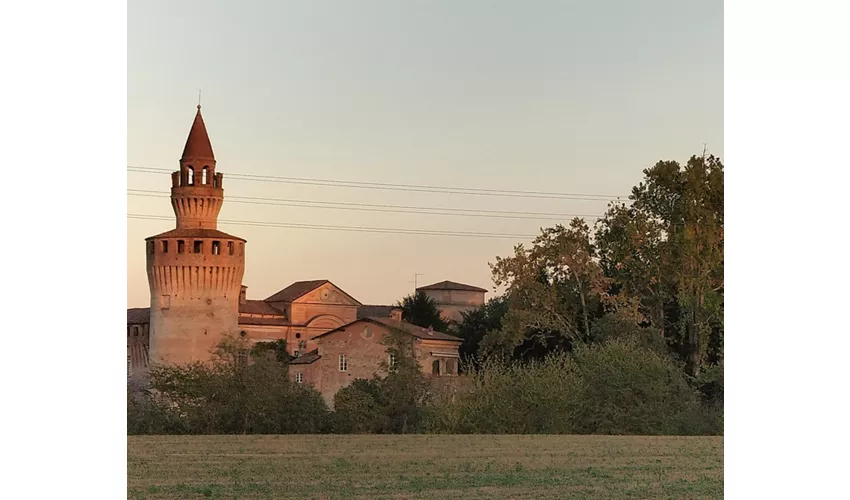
421	310
477	323
235	394
665	251
555	289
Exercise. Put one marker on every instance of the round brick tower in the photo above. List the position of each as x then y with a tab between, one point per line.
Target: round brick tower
194	271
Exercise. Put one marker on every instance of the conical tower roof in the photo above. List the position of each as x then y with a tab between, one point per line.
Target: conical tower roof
198	143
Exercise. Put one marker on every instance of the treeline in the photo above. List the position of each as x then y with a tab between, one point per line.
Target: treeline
615	387
615	330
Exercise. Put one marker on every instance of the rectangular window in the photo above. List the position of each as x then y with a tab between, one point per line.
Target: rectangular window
216	247
230	247
296	353
199	246
165	247
392	360
242	357
181	246
343	363
299	377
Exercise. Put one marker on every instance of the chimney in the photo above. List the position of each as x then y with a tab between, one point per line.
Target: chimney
243	294
395	314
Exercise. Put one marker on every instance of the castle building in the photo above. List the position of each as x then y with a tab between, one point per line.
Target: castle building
197	299
194	271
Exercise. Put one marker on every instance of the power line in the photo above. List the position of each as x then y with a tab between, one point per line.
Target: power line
383	230
368	207
399	187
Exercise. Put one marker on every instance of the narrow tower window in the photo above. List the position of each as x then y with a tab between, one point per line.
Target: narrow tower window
199	246
191	175
205	179
165	246
181	246
216	247
230	247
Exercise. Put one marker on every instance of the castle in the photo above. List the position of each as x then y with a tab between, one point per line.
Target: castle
197	298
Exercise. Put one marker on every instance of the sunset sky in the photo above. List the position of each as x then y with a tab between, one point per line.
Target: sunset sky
546	96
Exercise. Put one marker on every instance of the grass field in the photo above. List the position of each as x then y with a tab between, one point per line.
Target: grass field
352	466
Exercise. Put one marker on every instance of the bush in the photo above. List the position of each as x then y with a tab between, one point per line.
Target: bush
227	396
619	387
629	389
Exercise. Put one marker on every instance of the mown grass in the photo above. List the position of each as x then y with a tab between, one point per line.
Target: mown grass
425	466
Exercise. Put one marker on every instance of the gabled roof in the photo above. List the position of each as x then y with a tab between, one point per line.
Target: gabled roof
259	307
402	326
138	315
198	143
196	232
451	285
301	288
251	320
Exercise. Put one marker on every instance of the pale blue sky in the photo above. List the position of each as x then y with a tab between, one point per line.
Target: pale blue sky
560	96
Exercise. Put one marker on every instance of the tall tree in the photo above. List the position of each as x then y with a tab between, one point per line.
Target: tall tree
477	323
555	289
421	310
665	250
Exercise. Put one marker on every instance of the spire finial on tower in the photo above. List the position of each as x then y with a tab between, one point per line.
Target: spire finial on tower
198	144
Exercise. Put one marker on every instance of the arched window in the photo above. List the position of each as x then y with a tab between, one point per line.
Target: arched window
205	175
191	175
435	367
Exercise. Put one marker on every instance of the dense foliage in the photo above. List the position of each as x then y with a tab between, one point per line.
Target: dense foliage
612	330
421	310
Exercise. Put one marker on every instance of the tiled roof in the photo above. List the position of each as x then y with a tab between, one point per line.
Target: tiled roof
249	320
451	285
402	326
306	359
196	233
378	311
296	290
138	315
301	288
198	143
259	307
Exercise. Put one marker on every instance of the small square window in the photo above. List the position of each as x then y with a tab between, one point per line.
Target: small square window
165	246
216	247
181	246
198	247
343	363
